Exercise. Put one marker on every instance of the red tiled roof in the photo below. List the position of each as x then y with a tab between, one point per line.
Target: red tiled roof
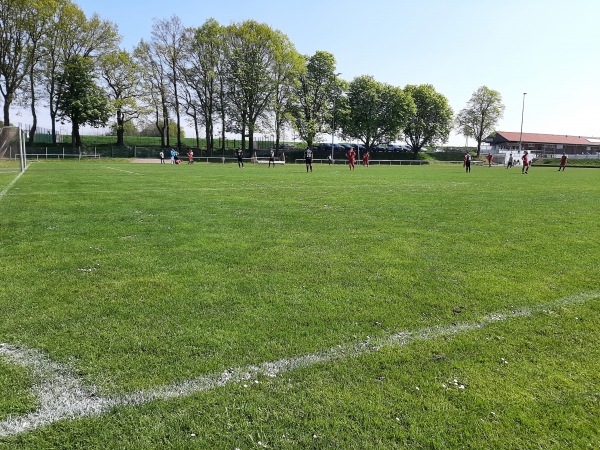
510	136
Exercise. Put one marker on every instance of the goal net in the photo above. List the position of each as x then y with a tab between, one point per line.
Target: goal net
12	145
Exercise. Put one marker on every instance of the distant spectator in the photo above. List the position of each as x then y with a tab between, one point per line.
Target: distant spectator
510	161
490	159
162	156
190	157
467	162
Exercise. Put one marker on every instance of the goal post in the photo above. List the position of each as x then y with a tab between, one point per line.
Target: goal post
12	145
23	151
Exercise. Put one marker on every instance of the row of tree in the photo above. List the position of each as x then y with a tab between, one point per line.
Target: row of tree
244	78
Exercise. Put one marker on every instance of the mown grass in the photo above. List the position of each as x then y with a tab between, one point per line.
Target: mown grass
9	169
141	275
572	162
15	388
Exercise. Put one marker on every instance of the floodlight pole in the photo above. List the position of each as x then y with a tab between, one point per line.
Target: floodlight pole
522	113
334	113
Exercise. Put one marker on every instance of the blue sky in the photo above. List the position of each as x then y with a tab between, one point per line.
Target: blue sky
547	48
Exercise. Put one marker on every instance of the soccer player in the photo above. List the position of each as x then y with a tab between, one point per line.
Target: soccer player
172	156
467	162
162	157
240	157
190	157
308	155
510	161
351	156
563	162
272	158
525	159
490	159
366	159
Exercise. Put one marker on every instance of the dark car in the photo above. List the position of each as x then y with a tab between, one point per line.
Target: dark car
324	146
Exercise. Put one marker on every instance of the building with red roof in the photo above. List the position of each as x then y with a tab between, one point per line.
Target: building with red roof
543	144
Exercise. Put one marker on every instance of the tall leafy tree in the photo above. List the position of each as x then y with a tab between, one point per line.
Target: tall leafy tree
122	76
374	112
38	27
315	95
72	35
155	85
82	101
432	119
250	56
168	40
482	113
205	50
15	19
287	67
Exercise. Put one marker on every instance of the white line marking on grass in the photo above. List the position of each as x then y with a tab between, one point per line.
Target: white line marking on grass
122	170
62	395
7	188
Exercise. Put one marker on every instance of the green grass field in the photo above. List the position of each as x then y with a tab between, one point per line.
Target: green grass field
402	307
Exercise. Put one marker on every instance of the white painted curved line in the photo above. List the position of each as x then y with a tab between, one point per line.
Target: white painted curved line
61	395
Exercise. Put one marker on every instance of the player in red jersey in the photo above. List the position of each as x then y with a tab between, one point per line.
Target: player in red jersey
366	159
525	159
563	162
351	156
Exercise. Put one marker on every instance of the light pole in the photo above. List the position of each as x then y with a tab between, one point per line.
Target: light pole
334	113
522	112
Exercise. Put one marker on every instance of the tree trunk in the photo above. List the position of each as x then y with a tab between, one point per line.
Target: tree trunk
178	116
120	129
244	136
209	139
33	112
53	120
7	102
251	140
75	137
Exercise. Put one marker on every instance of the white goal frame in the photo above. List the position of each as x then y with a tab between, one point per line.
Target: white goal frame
8	135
